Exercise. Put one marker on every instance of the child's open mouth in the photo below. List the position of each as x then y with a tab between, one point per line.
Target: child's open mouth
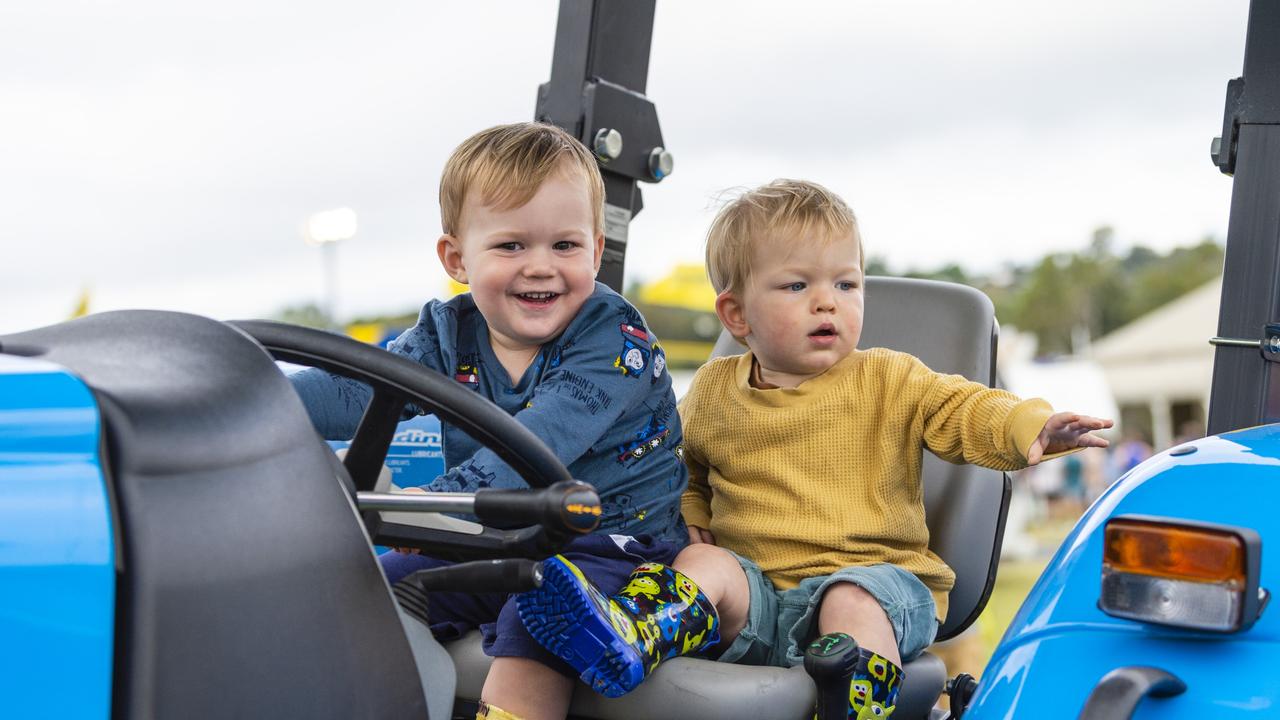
537	298
824	335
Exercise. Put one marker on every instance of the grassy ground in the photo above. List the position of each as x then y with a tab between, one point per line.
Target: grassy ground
970	651
1012	585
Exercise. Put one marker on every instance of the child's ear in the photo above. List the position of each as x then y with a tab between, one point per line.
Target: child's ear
449	248
732	314
598	249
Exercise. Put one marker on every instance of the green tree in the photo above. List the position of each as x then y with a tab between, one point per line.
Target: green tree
306	314
1167	279
1065	297
1046	305
876	265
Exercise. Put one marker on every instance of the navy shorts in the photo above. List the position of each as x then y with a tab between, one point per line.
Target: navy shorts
605	560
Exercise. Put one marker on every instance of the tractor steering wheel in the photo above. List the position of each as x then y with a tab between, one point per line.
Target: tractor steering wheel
397	381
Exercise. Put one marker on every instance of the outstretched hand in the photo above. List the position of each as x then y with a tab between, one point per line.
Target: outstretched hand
1067	431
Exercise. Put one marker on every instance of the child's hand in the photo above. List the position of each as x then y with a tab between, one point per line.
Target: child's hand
700	535
1066	431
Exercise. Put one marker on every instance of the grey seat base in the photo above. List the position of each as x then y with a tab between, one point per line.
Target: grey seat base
741	692
435	670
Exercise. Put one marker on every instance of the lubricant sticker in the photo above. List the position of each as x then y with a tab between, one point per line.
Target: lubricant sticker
416	455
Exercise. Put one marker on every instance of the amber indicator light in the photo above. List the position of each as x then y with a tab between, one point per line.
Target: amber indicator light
1172	551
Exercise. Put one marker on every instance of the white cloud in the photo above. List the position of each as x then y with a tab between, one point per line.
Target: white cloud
165	155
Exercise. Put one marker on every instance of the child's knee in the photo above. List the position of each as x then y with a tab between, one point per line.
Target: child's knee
707	554
710	565
848	598
721	578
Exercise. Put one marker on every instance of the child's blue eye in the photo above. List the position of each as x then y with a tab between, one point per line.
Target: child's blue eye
846	286
565	245
796	286
508	246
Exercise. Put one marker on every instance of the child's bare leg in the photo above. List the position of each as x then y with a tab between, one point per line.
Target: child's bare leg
849	609
527	689
722	580
874	674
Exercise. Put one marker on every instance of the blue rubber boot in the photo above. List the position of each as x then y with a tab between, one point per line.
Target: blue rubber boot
615	642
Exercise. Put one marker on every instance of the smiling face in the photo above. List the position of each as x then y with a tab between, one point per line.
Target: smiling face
530	268
800	310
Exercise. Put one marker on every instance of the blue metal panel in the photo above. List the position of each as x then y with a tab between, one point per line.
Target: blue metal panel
416	454
415	457
57	556
1060	644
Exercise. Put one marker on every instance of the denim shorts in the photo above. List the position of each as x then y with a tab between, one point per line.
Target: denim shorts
781	623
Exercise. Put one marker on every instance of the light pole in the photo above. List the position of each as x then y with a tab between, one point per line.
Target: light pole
327	229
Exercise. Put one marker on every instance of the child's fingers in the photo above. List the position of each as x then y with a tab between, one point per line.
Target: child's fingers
1086	440
1090	422
1070	441
1085	424
700	535
1064	419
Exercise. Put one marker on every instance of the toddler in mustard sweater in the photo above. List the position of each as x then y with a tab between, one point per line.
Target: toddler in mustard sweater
805	506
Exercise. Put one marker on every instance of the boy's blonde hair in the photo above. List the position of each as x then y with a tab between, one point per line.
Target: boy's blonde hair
507	164
781	211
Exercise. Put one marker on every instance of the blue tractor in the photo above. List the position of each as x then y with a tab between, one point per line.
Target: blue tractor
176	541
1156	604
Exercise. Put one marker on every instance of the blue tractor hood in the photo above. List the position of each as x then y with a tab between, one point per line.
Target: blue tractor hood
1060	643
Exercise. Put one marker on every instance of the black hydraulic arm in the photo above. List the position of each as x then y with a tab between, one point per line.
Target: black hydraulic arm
1246	376
599	70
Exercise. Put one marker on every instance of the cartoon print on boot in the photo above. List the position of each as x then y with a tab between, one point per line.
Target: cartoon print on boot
615	642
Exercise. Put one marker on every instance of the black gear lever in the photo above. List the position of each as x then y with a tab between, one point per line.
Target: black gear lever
830	661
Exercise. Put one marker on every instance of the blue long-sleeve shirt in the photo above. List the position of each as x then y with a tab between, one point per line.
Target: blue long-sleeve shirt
598	395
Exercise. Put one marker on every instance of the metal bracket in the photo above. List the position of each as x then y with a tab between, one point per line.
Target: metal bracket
599	70
1271	342
1253	98
1223	149
1269	345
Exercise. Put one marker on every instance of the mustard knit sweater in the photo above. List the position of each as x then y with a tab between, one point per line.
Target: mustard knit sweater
808	480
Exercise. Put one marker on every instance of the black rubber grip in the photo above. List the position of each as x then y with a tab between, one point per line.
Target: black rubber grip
1117	694
504	576
830	661
568	507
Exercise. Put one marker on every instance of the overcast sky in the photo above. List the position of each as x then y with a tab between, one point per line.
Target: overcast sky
165	155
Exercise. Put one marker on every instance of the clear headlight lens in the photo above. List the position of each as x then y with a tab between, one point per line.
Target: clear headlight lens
1180	573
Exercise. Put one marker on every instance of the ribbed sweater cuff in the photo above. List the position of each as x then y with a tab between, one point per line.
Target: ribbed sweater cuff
1025	423
696	512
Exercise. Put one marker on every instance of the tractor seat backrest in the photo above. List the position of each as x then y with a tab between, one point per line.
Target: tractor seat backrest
953	329
247	587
